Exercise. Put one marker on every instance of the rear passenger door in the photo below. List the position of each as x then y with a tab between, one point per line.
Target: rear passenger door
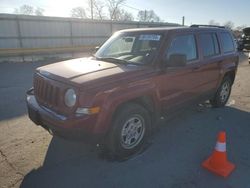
211	59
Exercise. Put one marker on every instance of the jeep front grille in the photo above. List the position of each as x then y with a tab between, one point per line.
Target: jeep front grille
46	93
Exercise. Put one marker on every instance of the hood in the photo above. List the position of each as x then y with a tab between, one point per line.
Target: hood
85	71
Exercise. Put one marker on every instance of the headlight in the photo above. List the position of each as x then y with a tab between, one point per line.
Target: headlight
70	98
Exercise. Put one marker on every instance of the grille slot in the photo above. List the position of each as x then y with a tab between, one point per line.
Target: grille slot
46	93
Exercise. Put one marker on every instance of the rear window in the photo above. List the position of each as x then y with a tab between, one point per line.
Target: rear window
209	44
227	42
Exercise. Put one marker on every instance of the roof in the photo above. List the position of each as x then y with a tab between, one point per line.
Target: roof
156	29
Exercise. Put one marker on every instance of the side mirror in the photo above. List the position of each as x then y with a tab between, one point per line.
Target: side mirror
176	60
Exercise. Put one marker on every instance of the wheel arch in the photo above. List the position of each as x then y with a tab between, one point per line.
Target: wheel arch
231	74
145	101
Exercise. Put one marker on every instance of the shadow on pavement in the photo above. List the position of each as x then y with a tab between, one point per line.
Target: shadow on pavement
173	160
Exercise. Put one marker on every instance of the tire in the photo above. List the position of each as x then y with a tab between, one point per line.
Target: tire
130	128
223	93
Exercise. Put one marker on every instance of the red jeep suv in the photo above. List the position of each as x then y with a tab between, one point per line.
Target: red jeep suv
137	76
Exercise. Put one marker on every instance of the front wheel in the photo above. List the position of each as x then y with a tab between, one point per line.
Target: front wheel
223	93
129	131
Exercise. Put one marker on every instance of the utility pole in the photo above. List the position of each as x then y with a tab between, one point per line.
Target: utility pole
183	20
91	7
145	15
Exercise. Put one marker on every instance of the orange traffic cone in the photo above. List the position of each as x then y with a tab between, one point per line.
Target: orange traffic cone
218	162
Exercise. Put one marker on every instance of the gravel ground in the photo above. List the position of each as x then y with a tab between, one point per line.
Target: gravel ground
30	157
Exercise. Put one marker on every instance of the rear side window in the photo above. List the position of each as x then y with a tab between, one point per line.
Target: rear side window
209	44
227	42
184	44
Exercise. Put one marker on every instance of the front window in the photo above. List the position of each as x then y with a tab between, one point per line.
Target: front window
136	48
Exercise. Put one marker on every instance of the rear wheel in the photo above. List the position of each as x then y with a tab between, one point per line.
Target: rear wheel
223	93
129	131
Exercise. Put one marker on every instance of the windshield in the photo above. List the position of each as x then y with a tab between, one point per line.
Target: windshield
136	48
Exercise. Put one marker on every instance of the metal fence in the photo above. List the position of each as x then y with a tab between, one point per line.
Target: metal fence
24	32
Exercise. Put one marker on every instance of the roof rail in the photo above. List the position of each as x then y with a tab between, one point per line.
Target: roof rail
198	25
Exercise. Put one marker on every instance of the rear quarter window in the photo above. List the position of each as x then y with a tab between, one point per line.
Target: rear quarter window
227	42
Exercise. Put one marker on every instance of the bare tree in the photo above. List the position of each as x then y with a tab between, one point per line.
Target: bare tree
127	16
148	16
78	12
29	10
98	9
123	15
229	25
142	15
39	11
114	8
25	9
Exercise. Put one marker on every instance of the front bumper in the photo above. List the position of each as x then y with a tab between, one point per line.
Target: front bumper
68	127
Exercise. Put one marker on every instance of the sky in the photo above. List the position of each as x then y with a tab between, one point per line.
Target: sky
195	11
